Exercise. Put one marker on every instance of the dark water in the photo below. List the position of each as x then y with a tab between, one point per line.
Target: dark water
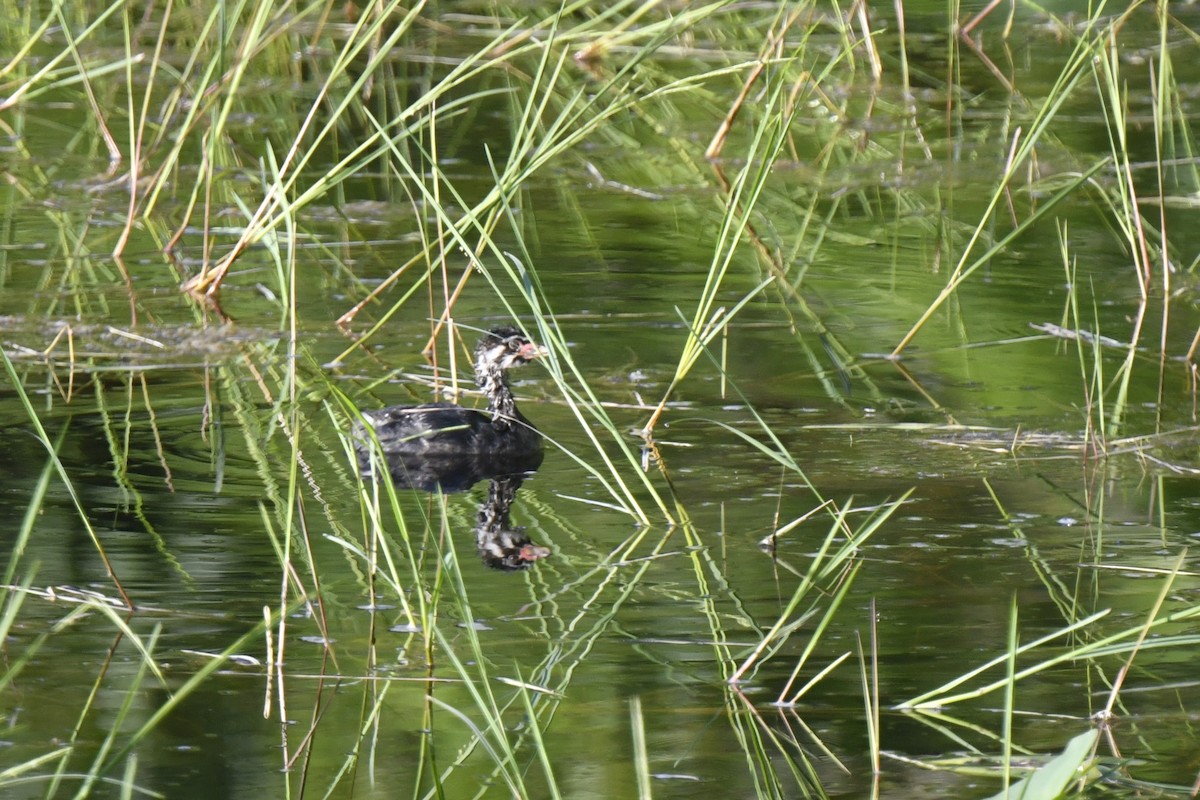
177	449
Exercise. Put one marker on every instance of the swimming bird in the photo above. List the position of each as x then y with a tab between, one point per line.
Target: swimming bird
442	438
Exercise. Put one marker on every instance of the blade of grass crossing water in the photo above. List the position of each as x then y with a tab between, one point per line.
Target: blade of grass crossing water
1010	693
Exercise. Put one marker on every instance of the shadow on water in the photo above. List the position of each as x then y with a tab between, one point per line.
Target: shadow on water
501	546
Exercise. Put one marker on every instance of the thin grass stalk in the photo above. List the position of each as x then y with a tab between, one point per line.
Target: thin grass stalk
646	38
33	510
250	43
568	129
1010	693
13	597
641	757
491	735
1072	321
783	700
805	772
144	649
845	581
343	777
765	55
760	761
85	710
20	58
963	271
567	121
744	719
179	99
1099	383
873	706
1114	95
1151	616
14	776
504	767
613	34
1129	221
1181	139
291	521
538	742
864	675
264	217
239	63
128	787
1160	82
377	543
136	121
14	668
440	262
791	719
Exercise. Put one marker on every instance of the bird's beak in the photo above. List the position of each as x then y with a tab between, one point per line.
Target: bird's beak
531	351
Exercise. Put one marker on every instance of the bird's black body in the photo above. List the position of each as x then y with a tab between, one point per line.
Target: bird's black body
446	445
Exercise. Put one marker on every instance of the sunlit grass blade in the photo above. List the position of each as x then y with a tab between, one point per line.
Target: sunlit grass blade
641	758
1051	780
1113	644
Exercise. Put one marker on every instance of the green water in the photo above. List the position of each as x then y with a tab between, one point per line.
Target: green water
174	431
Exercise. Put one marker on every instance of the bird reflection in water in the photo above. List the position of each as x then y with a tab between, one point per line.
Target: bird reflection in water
500	545
445	447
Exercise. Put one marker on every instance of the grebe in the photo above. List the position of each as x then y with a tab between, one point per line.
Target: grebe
474	441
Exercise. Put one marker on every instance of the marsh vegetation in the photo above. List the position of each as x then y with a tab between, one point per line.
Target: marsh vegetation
868	402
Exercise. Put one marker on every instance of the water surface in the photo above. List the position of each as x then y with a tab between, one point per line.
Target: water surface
174	425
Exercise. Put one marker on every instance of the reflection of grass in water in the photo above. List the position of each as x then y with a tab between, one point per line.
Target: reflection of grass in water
506	713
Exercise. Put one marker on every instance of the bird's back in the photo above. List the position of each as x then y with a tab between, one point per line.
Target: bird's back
434	429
